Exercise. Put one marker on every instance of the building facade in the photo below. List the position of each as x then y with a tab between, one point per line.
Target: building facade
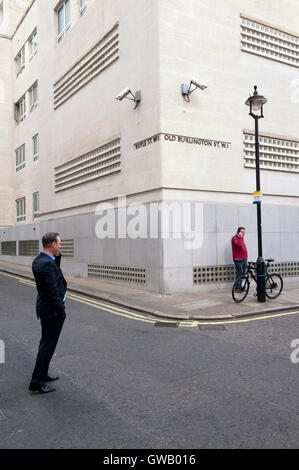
148	193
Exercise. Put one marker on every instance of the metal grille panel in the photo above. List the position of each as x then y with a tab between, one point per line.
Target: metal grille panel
28	247
117	273
67	248
9	248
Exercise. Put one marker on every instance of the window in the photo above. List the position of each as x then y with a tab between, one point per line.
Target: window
32	44
20	158
33	96
20	109
20	61
21	209
35	148
63	14
83	6
36	205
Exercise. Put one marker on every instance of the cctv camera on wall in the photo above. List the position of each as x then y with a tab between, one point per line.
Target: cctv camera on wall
198	84
123	94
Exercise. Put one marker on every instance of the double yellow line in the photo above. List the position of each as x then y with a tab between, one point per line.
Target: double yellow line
147	318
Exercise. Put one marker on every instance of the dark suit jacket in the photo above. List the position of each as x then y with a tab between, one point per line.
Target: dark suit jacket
51	287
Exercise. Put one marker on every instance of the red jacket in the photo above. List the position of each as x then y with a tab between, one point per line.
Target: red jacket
239	247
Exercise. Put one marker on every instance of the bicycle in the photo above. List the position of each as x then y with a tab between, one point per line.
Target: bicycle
274	282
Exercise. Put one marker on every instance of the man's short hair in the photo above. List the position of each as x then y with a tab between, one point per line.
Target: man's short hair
49	238
239	229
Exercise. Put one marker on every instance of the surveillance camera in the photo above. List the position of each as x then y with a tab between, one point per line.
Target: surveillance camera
197	83
123	94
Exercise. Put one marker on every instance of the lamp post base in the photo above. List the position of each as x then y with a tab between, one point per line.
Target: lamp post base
261	280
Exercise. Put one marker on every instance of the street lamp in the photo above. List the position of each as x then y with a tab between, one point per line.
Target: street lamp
256	103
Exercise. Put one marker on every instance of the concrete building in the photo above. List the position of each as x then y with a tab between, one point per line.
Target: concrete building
148	193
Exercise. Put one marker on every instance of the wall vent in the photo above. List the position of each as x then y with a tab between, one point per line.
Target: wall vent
28	247
213	274
227	273
117	273
92	165
67	248
97	59
9	248
276	153
270	42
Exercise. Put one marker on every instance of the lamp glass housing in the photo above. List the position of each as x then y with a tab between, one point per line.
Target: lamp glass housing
256	101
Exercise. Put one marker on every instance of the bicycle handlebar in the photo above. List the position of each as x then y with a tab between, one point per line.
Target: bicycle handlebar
253	264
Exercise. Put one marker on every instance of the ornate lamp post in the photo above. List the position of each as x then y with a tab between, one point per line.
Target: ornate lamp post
256	103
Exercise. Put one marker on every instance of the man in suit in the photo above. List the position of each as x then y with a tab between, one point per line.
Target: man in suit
51	287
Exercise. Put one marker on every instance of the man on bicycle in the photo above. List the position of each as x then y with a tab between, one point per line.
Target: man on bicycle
239	254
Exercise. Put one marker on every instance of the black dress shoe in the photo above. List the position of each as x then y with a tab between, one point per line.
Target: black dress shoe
44	388
51	378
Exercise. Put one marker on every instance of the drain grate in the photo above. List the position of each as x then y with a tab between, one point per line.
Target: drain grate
2	415
166	323
211	327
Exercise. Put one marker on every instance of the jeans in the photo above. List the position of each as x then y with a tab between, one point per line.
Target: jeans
240	269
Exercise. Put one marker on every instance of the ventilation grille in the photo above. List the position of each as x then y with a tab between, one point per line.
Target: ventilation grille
97	59
285	269
67	248
117	273
9	248
227	273
275	153
28	247
211	274
92	165
265	41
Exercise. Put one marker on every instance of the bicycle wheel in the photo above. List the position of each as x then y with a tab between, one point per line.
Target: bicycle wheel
240	289
274	285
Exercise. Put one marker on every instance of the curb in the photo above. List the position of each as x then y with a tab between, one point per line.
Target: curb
160	314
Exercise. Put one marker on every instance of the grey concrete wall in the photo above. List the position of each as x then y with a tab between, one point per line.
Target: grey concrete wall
164	252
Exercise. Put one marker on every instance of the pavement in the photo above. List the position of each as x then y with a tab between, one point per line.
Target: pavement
211	304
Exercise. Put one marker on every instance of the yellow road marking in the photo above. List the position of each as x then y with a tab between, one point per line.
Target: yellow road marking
135	316
121	312
78	297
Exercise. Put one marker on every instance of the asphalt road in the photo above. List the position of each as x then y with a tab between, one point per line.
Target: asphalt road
128	384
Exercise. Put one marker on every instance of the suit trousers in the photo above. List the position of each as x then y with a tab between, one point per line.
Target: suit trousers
50	334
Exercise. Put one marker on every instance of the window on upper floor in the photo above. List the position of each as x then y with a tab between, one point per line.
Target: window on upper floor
20	61
36	205
20	109
21	209
35	145
83	6
32	41
63	19
33	91
20	158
